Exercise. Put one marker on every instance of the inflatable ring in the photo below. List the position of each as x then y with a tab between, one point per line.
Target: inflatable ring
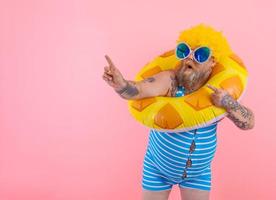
191	111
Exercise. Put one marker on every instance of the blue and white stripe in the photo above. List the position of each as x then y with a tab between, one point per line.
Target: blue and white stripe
167	153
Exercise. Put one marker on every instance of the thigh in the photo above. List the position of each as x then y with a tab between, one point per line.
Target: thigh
194	194
156	195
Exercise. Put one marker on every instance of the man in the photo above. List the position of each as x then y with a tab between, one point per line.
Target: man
158	164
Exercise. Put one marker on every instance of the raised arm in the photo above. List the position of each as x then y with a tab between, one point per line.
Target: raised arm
161	84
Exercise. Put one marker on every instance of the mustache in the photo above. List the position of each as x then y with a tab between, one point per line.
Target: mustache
189	79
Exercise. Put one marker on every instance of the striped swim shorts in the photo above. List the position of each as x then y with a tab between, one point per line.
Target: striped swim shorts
179	158
155	180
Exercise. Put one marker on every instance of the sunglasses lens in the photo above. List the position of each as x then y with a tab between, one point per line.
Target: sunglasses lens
202	54
182	50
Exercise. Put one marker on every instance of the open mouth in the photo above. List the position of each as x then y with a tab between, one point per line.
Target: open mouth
189	66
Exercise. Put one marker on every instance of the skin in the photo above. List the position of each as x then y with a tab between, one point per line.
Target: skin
161	82
242	116
192	76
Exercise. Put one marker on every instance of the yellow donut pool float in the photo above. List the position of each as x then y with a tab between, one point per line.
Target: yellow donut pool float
194	110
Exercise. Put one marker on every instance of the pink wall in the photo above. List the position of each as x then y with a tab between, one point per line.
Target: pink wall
65	135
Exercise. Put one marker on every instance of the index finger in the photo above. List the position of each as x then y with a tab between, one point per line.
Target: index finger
109	61
212	87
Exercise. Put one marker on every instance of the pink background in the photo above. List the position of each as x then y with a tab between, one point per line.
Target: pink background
65	134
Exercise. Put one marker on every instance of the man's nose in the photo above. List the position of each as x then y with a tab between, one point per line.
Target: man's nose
190	56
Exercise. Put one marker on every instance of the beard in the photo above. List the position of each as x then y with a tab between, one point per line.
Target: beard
189	78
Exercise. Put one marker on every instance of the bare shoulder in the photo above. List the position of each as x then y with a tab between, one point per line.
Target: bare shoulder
169	74
166	73
160	84
163	75
172	82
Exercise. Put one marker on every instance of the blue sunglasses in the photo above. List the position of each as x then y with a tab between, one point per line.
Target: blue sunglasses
200	54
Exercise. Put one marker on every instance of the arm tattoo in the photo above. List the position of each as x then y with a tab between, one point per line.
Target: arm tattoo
241	124
229	103
239	114
129	90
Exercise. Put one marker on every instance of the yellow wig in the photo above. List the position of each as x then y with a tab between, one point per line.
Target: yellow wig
205	35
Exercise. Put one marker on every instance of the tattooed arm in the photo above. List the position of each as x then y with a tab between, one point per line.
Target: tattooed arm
161	84
242	116
129	90
158	85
